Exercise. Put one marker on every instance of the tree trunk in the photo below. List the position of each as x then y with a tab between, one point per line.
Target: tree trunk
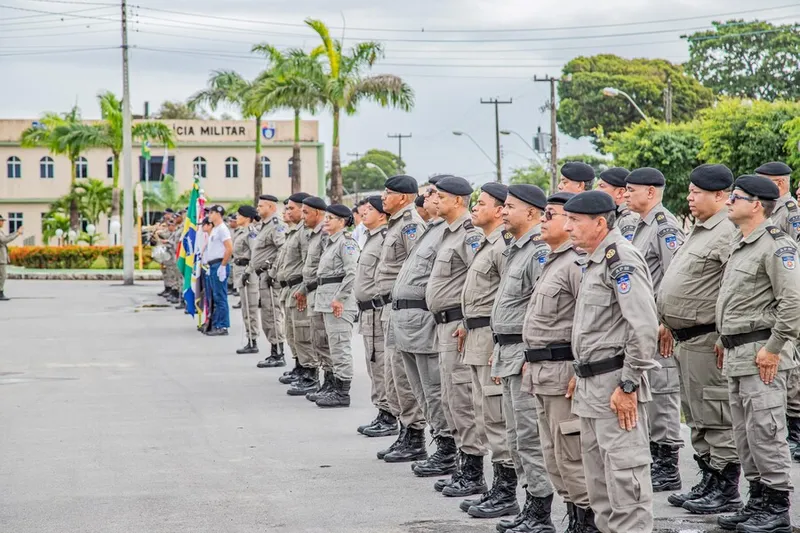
74	217
297	182
258	176
336	164
115	194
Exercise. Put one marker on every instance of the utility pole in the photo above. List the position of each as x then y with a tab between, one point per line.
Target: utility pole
399	137
357	155
553	128
496	103
668	101
127	142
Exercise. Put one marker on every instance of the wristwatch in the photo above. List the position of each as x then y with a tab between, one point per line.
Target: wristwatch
628	386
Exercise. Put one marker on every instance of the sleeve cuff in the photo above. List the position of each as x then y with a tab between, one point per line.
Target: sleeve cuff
774	344
629	374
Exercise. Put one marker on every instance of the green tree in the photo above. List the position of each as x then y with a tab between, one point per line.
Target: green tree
344	85
368	178
533	174
53	221
583	106
179	111
671	148
166	195
754	59
94	199
792	145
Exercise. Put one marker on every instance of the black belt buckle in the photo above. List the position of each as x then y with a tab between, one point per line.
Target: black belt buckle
727	342
440	317
311	287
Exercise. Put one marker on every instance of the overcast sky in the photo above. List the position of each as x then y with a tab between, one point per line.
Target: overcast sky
48	61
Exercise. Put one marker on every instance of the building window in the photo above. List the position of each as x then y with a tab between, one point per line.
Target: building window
14	167
291	163
231	167
110	168
265	167
81	168
14	221
199	167
46	167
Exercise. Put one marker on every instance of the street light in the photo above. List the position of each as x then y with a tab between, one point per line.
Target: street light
521	138
379	169
612	92
467	135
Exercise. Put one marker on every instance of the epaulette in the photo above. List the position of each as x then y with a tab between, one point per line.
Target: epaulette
537	237
612	256
508	237
384	231
775	232
661	218
791	205
468	224
407	215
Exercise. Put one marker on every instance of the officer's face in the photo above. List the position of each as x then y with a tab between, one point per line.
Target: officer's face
617	193
584	231
393	201
448	203
486	212
741	206
241	221
553	224
517	215
332	224
265	208
567	185
638	197
432	202
294	212
703	204
372	217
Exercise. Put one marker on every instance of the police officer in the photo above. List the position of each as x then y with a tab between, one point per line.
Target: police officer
612	182
547	333
270	239
336	301
236	271
166	237
405	228
460	241
759	322
371	307
244	276
475	339
4	240
614	341
525	257
686	303
576	177
658	236
421	211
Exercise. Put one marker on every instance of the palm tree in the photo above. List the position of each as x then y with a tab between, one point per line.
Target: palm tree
285	85
343	86
167	195
54	220
230	87
94	198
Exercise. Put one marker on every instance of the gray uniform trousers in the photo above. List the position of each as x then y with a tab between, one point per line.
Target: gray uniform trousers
664	412
250	316
371	329
792	391
488	400
401	399
301	326
273	320
456	378
705	401
319	340
3	276
617	468
425	379
758	412
340	335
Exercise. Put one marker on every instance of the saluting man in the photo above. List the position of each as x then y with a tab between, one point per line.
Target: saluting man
4	240
612	182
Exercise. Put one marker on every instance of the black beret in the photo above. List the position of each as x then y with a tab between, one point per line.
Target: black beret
316	202
169	210
712	177
433	180
646	176
530	194
560	197
758	186
775	168
376	202
496	190
420	201
615	176
402	184
577	171
268	197
454	185
217	209
298	197
248	211
341	211
590	203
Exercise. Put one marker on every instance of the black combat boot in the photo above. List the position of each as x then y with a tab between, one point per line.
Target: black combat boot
237	305
181	303
668	476
411	449
250	347
3	297
655	466
537	520
442	462
454	477
793	438
702	487
275	361
723	496
401	439
324	389
772	517
172	296
308	382
164	292
572	516
339	396
586	521
290	377
471	480
466	504
386	426
754	503
502	499
374	422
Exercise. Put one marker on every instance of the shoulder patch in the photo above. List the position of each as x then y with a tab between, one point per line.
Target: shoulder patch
623	283
541	256
785	250
612	256
474	241
667	231
410	231
508	237
350	247
661	218
622	269
791	205
775	232
468	224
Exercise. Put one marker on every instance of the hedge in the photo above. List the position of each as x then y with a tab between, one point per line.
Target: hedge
70	257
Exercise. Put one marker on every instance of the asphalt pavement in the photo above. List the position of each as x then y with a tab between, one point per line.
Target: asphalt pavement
116	416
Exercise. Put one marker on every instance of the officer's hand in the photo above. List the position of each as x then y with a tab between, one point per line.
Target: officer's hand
338	308
245	279
571	387
461	335
720	355
302	301
665	342
625	405
222	273
767	364
20	230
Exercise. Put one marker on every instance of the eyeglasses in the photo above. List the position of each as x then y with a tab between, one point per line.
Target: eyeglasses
733	197
549	215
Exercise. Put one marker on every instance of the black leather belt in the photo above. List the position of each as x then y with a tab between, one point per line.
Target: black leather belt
328	281
311	286
504	340
242	261
448	315
554	352
375	303
683	335
409	304
214	262
732	341
480	322
292	282
597	368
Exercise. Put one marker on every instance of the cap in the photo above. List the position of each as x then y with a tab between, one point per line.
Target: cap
376	202
590	203
560	197
498	191
217	209
420	201
169	210
530	194
268	197
248	211
315	202
646	176
434	180
577	171
615	176
298	197
712	177
454	185
775	168
341	211
758	186
402	184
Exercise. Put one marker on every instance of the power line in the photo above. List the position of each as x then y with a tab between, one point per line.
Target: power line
70	2
58	51
50	14
49	35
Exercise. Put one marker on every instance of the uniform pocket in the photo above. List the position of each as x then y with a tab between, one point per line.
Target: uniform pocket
547	299
442	265
462	376
716	407
768	420
698	263
630	483
571	432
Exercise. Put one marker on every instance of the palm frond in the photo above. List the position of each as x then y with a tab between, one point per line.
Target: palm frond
387	90
331	49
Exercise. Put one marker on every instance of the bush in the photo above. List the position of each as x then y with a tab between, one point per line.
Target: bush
71	257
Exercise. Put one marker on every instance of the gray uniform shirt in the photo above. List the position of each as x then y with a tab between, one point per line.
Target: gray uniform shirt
270	238
339	258
293	260
366	286
243	241
787	216
460	241
4	240
658	236
403	231
627	221
316	244
760	290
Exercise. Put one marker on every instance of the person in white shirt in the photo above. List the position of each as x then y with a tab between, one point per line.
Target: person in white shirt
360	233
217	255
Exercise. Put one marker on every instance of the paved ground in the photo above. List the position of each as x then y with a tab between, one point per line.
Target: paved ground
117	417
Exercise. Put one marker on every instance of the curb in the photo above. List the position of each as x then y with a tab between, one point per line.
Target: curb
83	276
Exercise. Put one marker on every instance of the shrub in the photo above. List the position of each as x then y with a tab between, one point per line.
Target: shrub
71	257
